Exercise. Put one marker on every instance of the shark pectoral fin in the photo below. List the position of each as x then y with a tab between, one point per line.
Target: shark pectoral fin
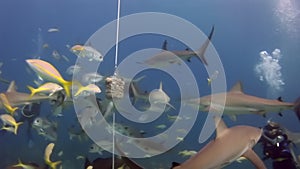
254	158
220	125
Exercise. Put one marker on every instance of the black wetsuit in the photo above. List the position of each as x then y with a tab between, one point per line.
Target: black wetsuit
277	147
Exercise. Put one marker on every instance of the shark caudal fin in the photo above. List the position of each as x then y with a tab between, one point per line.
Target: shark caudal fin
175	164
297	108
202	50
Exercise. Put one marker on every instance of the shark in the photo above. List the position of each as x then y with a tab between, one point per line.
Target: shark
168	57
156	96
229	145
237	102
11	99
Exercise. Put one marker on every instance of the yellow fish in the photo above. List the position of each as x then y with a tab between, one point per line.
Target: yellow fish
8	119
24	166
90	88
7	105
47	154
48	72
48	88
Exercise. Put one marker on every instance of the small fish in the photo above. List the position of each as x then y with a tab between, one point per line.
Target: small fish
26	166
94	148
187	153
47	88
45	45
9	120
65	58
47	154
77	133
92	78
51	30
45	128
90	88
56	55
87	52
7	105
48	72
74	69
42	123
161	126
48	133
214	76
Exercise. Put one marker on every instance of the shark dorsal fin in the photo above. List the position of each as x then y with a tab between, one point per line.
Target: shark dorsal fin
237	87
220	125
160	86
12	87
164	46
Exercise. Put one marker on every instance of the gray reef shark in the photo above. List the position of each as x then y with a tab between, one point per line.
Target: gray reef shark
168	57
229	145
11	99
237	102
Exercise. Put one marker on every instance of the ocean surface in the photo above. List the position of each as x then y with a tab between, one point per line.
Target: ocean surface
243	29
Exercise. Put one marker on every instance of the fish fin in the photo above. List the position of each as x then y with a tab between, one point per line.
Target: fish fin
160	86
16	127
297	108
279	99
53	165
32	90
171	106
66	86
165	45
135	93
220	125
12	87
81	89
204	46
254	158
175	164
237	87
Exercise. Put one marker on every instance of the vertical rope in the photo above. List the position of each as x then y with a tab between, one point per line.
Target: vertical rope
116	64
117	34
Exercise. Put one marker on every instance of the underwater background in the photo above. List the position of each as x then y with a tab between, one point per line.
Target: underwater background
242	30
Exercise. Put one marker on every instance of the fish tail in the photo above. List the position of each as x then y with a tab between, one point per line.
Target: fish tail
80	89
297	108
32	90
66	86
16	127
53	165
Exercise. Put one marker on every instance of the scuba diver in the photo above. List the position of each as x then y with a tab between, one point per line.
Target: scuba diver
278	147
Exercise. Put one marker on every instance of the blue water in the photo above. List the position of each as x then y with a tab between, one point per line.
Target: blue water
242	30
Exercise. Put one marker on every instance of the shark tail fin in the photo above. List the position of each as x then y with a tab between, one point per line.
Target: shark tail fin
32	90
204	46
16	127
175	164
297	108
135	91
